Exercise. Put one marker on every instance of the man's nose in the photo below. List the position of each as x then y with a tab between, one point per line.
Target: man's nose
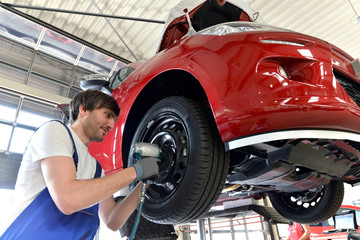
111	124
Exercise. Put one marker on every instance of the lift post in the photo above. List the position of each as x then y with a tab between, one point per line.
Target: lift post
263	208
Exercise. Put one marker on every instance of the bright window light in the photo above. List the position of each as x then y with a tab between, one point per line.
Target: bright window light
5	136
32	118
8	112
20	140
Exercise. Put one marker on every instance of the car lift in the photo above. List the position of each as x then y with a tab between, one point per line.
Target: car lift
269	214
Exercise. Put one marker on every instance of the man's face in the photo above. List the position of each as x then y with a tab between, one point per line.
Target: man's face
98	123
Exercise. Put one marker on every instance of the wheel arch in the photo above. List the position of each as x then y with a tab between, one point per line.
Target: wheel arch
170	83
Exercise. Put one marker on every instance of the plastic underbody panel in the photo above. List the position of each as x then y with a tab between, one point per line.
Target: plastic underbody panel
296	166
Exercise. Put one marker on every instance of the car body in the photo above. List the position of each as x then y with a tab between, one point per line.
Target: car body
347	219
245	110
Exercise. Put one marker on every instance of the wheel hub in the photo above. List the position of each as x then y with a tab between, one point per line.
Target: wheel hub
169	133
307	199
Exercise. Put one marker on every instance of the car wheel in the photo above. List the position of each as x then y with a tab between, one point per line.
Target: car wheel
193	174
312	206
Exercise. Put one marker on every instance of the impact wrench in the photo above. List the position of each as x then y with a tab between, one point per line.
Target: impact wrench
142	150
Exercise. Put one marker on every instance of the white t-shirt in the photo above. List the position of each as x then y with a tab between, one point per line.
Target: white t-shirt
51	139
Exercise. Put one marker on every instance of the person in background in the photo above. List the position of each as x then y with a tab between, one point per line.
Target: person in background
61	189
299	231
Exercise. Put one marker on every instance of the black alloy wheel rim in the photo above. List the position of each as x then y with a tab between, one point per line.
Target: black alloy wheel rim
168	131
304	200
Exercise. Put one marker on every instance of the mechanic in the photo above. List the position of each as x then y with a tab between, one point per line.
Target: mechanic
61	189
299	231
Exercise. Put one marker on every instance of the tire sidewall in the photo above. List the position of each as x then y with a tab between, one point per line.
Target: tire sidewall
173	105
325	208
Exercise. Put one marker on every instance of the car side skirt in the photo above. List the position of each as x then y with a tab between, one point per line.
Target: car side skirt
291	134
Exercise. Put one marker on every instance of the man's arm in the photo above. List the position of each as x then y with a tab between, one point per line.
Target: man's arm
71	195
307	232
115	215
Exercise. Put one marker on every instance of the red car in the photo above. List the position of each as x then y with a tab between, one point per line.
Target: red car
245	110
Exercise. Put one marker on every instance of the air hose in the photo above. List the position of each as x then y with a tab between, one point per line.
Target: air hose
138	215
141	150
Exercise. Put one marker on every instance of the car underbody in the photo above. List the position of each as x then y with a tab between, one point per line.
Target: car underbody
291	166
294	165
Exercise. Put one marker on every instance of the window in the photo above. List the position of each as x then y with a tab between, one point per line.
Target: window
52	68
120	76
19	28
96	61
357	214
19	119
60	46
34	114
345	221
8	107
5	136
20	139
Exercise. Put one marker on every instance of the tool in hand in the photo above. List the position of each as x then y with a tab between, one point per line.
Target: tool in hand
142	150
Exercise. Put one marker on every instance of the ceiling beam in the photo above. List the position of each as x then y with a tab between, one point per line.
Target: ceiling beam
66	34
31	92
83	13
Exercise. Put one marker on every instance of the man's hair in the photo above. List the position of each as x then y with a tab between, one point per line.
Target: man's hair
92	100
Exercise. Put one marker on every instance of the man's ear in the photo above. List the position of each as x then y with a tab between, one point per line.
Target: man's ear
82	110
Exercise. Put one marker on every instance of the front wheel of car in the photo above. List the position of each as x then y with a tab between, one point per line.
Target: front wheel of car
311	206
194	168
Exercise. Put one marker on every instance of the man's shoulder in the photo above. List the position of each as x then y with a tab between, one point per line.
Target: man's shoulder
50	139
51	126
51	130
52	123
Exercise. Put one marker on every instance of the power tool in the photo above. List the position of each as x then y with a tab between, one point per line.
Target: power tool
141	150
165	153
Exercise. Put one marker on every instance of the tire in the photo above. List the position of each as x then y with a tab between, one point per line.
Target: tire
315	205
193	175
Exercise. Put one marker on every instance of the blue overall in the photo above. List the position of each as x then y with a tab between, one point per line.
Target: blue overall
43	220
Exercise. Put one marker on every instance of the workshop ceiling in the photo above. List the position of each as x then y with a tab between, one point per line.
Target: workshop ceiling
335	21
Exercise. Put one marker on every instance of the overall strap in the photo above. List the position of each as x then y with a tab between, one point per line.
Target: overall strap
42	220
75	155
98	170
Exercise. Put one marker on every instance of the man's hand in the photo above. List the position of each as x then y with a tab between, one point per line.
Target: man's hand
146	168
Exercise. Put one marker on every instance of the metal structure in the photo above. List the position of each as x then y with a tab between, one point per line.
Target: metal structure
139	23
